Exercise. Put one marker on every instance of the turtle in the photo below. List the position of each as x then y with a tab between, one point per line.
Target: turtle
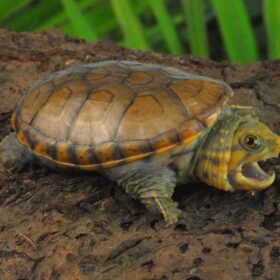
145	127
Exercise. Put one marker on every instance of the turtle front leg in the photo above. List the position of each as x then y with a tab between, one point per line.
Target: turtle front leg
13	155
154	188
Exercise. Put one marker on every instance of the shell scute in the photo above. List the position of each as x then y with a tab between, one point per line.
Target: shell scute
84	155
97	74
141	78
165	140
57	117
107	152
64	152
32	102
199	96
134	148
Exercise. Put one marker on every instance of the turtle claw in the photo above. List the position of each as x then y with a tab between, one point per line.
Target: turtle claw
171	213
166	206
173	216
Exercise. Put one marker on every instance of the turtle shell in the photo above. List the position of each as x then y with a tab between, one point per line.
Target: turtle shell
105	114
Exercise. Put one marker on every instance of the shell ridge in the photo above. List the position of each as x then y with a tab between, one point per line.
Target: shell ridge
43	105
178	100
76	116
125	109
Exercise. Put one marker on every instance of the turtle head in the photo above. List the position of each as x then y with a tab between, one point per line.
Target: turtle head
253	141
230	154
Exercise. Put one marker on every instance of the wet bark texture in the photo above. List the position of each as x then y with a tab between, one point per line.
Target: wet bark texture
63	226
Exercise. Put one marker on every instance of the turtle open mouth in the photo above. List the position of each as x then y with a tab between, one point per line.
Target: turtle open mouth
251	176
254	175
253	171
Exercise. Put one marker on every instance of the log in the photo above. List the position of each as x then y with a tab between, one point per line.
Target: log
81	226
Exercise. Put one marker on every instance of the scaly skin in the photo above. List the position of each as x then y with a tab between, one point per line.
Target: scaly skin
154	188
13	155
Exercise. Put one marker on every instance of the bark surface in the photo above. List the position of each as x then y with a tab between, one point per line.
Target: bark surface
63	226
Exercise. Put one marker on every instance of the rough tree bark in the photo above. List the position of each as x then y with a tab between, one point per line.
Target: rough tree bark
61	226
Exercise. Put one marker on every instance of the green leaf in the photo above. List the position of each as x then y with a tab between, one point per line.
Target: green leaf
93	14
167	26
61	17
130	25
27	19
271	13
195	19
80	24
236	30
7	7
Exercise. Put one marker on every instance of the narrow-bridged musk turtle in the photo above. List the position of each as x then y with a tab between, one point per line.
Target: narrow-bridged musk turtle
146	127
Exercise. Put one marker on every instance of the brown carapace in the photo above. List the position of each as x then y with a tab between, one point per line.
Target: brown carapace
114	112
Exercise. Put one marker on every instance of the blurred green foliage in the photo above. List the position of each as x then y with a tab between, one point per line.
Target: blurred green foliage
239	30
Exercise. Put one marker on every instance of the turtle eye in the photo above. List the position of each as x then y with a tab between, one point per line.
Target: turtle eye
252	142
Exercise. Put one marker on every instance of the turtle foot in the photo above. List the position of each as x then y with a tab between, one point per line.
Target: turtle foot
13	155
166	206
